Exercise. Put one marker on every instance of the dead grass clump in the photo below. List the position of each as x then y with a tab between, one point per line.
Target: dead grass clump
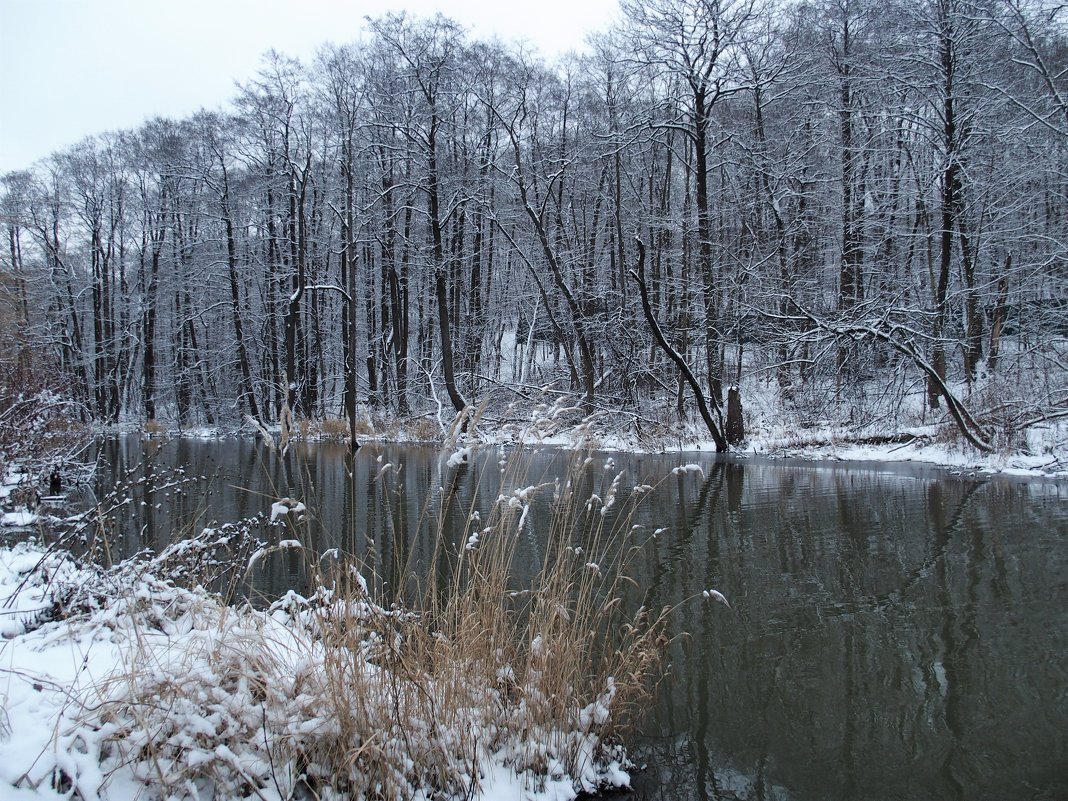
422	429
306	428
338	427
40	425
334	428
154	428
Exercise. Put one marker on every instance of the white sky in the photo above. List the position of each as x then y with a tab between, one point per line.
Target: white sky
70	68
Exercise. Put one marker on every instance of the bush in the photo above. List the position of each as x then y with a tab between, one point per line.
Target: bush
39	424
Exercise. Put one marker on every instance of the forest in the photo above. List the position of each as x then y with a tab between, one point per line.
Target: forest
843	210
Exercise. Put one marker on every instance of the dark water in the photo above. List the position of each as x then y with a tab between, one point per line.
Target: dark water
896	632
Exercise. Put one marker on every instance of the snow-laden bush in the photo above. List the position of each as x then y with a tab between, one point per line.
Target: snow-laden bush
40	425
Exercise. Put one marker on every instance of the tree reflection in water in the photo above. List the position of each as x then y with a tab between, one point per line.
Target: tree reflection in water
896	632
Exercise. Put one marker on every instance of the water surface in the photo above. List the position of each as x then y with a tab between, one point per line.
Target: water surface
896	632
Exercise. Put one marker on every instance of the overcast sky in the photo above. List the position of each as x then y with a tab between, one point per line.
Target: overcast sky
70	68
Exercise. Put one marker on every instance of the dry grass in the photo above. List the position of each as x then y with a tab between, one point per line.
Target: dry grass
39	425
345	695
415	428
338	428
421	429
154	428
327	428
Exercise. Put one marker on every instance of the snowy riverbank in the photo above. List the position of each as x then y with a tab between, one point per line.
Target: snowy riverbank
1042	452
114	682
171	690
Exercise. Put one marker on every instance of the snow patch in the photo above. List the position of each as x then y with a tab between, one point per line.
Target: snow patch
20	519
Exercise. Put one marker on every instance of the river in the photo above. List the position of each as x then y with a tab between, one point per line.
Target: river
895	632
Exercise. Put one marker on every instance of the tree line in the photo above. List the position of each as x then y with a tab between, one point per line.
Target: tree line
853	208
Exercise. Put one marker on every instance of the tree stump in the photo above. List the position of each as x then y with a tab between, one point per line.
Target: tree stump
735	424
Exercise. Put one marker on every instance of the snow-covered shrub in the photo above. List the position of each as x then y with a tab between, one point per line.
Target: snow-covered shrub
39	424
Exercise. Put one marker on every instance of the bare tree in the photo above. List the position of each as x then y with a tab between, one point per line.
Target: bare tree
698	43
429	51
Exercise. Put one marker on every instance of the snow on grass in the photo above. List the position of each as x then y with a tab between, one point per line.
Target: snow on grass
287	506
458	457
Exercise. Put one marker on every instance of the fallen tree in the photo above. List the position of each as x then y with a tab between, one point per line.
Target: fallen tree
901	338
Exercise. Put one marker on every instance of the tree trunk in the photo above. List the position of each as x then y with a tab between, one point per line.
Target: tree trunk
247	391
735	424
148	336
440	291
1000	316
684	368
713	365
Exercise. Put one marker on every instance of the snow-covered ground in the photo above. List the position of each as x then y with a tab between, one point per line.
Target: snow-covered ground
831	444
1044	452
876	421
116	685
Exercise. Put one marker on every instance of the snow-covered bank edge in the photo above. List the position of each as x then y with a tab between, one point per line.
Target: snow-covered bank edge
1043	456
1041	451
547	416
831	444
